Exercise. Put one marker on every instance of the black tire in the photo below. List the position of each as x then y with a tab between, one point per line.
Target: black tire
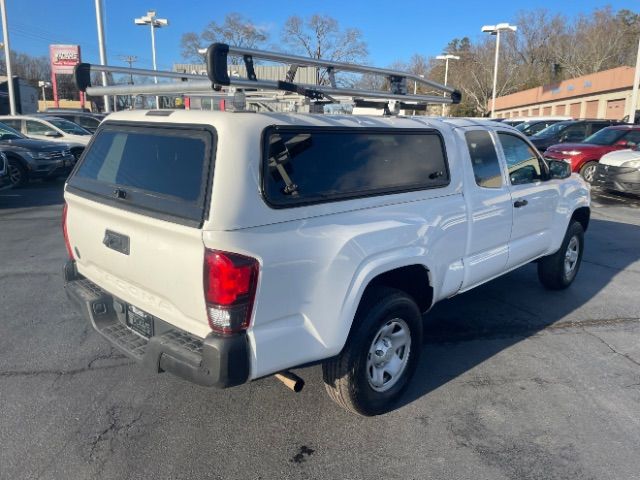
552	271
76	152
347	376
588	171
18	175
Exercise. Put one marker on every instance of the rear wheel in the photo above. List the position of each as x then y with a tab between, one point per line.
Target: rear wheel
380	356
588	171
17	173
558	271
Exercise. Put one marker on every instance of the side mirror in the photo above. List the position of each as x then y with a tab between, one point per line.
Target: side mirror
51	133
624	144
558	169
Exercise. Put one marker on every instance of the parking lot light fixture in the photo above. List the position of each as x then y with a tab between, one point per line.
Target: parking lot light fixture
43	84
495	30
446	57
154	22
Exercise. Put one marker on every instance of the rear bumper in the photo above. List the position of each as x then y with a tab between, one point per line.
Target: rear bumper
621	179
214	361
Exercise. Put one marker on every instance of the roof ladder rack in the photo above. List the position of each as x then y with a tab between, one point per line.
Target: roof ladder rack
217	58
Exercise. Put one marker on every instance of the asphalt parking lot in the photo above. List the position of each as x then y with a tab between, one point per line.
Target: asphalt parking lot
515	382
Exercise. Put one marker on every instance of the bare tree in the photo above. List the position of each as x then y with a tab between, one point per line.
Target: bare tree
320	36
236	30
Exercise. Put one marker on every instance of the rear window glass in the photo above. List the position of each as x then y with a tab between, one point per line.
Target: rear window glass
315	165
163	169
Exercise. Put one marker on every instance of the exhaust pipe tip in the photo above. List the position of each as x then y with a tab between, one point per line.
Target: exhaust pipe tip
291	381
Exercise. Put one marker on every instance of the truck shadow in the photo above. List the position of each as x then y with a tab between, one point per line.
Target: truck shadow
503	312
35	194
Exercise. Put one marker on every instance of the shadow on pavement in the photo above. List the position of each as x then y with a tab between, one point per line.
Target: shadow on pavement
501	313
35	194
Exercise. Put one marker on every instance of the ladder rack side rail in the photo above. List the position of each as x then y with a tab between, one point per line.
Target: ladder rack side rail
178	88
341	66
204	86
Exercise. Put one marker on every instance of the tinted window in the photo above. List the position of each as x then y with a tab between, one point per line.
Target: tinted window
574	133
87	122
607	136
165	170
486	167
165	164
13	123
522	162
312	165
632	138
69	127
8	133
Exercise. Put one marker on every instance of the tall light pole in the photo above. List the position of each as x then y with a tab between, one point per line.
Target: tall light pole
495	30
446	57
155	22
634	94
103	50
7	57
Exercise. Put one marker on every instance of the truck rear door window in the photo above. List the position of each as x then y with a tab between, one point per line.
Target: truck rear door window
312	165
162	170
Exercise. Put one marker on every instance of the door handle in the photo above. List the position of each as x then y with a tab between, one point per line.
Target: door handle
520	203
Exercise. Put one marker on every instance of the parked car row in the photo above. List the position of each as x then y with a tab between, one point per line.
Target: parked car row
44	145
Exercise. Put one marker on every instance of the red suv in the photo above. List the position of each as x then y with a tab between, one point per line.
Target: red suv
584	156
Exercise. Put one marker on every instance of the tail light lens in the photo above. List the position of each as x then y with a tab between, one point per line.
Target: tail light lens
65	233
230	282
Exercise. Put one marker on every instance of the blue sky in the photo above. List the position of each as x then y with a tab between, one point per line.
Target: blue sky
422	27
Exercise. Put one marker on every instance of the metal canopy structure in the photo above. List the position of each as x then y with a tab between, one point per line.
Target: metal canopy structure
217	58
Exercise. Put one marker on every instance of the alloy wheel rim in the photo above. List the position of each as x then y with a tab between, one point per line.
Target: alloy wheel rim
388	355
14	174
589	173
571	256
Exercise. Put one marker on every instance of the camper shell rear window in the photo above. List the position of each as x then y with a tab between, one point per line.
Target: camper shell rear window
159	170
307	165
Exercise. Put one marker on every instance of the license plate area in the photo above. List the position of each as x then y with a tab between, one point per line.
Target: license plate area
140	321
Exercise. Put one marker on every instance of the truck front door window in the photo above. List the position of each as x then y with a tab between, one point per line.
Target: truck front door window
486	167
522	162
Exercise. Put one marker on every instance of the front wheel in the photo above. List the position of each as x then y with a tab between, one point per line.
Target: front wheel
17	173
380	356
558	271
588	171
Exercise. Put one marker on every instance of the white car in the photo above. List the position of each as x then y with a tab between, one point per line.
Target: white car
224	247
50	128
619	171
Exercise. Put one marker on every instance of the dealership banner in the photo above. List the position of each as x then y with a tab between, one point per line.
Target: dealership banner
64	58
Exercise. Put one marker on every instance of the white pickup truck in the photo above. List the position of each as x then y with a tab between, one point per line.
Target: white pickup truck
225	247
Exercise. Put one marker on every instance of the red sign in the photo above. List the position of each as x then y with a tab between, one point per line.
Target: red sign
64	58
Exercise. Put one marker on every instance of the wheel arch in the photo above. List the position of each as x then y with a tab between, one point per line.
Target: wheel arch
581	215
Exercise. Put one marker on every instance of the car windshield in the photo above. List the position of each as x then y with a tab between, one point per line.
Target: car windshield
554	129
69	127
8	133
523	126
606	136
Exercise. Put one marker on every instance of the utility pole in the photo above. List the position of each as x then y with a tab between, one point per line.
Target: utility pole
634	94
103	50
130	59
7	56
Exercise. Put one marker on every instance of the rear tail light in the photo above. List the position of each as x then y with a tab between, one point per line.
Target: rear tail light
230	282
65	233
